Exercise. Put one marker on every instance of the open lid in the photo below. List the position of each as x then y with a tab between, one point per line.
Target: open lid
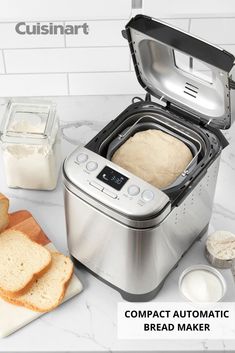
189	74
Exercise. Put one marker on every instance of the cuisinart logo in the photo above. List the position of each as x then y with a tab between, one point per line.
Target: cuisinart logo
50	29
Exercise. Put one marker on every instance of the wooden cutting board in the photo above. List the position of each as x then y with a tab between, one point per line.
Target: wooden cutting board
12	317
24	221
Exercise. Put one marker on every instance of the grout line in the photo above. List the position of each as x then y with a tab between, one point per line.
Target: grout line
80	47
68	84
66	21
99	20
65	72
4	61
31	48
121	19
75	95
189	24
226	44
199	17
64	36
83	47
106	94
130	62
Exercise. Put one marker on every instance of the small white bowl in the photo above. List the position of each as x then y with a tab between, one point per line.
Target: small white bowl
210	269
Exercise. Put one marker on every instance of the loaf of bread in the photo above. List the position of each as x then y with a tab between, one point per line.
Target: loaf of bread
22	261
154	156
48	291
4	206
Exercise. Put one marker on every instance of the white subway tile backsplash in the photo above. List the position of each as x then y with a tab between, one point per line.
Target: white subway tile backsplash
101	33
104	83
190	9
28	10
67	60
229	48
179	23
33	85
215	30
97	63
2	68
9	38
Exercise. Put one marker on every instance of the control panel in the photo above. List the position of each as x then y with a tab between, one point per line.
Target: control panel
112	178
113	185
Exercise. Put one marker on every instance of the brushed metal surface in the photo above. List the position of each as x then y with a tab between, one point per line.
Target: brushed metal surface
133	259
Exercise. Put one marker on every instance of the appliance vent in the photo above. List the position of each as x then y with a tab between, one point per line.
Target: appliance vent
191	90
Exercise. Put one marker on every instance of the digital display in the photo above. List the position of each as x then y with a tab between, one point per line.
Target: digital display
112	178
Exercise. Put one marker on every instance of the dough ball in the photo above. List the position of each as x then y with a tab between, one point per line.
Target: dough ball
154	156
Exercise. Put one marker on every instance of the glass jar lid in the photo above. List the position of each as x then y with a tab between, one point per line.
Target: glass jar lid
29	121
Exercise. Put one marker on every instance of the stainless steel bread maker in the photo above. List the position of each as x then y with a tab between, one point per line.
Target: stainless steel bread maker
123	230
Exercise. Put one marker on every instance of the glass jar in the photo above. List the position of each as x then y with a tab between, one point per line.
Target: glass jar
30	143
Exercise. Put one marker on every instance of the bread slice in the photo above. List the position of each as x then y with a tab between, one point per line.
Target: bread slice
4	206
48	291
21	262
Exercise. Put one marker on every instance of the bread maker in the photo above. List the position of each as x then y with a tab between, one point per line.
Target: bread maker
125	231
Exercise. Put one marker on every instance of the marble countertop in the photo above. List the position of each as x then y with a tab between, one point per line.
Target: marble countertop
88	321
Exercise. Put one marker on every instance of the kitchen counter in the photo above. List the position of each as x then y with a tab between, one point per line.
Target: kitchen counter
88	321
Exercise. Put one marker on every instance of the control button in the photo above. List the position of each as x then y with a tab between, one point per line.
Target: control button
91	166
96	185
147	195
133	190
82	157
110	193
